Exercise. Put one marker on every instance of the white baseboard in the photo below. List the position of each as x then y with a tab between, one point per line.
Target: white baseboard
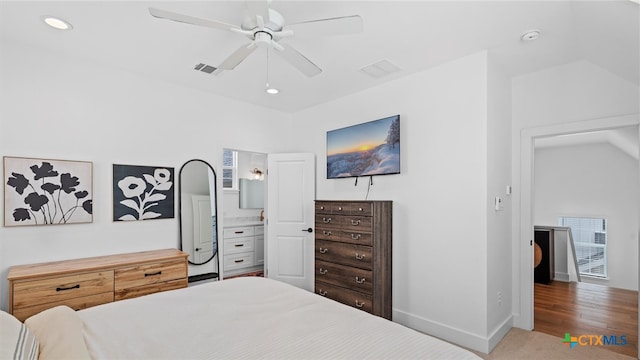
561	276
457	336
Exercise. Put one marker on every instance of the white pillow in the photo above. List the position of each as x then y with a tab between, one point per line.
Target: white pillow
16	341
59	332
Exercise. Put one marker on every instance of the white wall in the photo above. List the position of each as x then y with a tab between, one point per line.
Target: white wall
498	221
596	180
440	197
569	94
62	108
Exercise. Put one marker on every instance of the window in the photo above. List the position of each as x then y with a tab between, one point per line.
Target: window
229	169
590	240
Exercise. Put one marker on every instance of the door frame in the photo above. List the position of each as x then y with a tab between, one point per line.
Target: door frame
523	262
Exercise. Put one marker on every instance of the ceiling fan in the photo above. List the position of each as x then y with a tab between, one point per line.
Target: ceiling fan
265	27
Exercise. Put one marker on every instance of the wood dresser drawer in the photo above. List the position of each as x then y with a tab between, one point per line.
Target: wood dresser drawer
56	289
147	274
82	283
343	253
345	276
79	303
345	296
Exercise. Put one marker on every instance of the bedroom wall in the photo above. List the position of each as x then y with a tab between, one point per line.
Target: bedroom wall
567	94
63	108
440	198
597	180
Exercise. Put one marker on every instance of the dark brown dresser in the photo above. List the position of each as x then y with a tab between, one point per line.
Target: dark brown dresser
353	254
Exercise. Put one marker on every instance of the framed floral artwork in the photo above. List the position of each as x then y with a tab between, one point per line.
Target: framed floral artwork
142	192
47	192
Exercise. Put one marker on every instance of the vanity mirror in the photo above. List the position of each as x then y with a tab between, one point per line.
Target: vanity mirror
198	210
244	171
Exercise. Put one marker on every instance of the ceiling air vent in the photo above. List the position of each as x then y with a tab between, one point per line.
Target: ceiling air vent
205	68
380	69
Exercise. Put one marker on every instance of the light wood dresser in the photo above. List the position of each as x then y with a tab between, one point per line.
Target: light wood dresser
82	283
353	254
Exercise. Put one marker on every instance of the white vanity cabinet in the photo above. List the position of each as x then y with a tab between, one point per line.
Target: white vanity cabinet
243	249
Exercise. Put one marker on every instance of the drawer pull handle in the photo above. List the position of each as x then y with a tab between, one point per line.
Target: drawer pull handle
326	220
68	288
339	208
360	209
323	250
326	233
322	292
239	232
360	280
355	222
153	274
359	304
239	245
355	236
323	271
359	256
321	207
238	261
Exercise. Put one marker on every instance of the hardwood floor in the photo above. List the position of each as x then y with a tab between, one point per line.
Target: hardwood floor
587	309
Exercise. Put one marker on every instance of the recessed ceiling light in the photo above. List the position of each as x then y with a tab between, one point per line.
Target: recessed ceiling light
530	35
57	23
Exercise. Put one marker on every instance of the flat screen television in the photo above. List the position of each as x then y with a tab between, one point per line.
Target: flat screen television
371	148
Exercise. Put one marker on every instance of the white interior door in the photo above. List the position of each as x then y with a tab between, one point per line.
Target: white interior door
290	219
202	229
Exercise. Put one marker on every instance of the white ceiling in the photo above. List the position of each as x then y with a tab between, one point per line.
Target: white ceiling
414	35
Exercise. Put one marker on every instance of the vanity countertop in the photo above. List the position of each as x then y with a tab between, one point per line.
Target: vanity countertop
239	222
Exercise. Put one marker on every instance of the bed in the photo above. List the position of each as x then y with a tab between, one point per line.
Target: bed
241	318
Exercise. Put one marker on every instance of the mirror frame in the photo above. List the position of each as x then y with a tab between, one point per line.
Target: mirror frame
215	204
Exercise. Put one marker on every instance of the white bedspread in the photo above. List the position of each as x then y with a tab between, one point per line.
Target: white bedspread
250	318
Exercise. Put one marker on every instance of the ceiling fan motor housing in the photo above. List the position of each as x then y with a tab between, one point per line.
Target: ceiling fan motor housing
275	22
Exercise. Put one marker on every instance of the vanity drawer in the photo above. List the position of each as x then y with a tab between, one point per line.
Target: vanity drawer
236	232
23	313
238	261
345	254
349	297
130	277
360	208
236	245
61	288
345	276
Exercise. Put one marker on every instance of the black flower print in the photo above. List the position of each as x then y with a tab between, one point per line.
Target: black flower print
46	170
50	187
36	201
69	183
21	214
18	182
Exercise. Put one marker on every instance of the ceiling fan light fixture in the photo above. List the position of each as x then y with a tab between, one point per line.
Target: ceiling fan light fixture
271	90
57	23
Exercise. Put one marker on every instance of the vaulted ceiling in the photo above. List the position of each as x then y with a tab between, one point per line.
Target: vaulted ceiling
413	35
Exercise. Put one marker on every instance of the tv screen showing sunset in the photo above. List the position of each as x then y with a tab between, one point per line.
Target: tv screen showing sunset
371	148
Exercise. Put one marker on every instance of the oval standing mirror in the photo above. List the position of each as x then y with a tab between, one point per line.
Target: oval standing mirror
198	209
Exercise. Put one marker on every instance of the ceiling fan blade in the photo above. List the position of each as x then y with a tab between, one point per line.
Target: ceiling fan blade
258	8
168	15
238	56
293	57
323	27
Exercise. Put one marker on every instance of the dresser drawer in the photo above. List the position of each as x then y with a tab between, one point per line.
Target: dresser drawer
236	232
238	261
236	245
146	274
327	233
132	292
58	289
345	254
345	296
360	208
345	276
356	223
23	313
354	237
328	221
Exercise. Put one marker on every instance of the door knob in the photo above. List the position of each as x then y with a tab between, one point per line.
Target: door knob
308	230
